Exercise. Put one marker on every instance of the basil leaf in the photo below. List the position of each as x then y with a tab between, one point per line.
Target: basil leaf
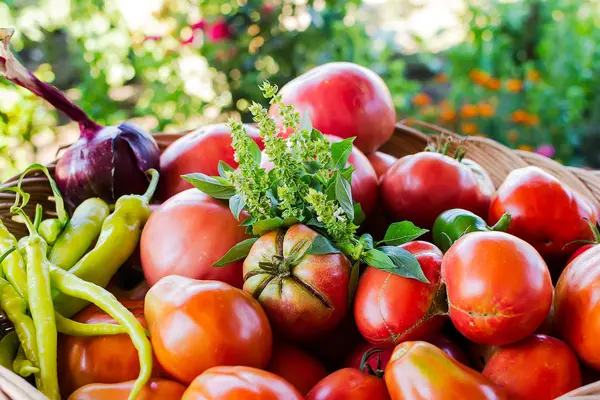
316	134
367	241
289	221
330	191
236	205
320	245
352	285
347	173
378	259
402	232
248	222
305	123
267	225
344	196
359	215
210	185
315	222
237	252
340	151
224	168
255	151
405	264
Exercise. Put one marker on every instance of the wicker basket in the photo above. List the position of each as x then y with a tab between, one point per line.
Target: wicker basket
410	137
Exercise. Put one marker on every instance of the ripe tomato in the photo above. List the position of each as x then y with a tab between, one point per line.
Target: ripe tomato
198	151
300	369
537	367
349	383
499	288
240	383
445	344
545	213
381	162
304	295
155	389
577	252
355	357
195	325
390	309
419	187
421	371
345	100
577	308
99	359
186	235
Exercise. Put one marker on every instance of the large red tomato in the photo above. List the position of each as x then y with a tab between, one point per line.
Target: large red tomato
300	369
349	383
186	235
419	187
390	309
155	389
577	306
499	288
545	213
240	383
303	295
345	100
421	371
99	359
538	367
195	325
198	151
381	162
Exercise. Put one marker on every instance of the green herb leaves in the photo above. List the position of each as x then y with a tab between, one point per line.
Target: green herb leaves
216	187
402	232
237	252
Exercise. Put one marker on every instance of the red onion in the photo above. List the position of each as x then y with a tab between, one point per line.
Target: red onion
105	162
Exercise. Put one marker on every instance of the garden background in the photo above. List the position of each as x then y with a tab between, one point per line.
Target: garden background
526	73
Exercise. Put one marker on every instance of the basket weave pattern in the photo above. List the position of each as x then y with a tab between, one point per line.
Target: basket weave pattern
409	138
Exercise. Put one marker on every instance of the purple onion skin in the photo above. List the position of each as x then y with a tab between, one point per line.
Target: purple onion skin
106	162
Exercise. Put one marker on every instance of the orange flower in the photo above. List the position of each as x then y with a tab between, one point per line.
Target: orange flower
486	110
514	85
513	136
479	77
448	114
532	120
493	84
469	128
421	99
441	77
525	147
519	116
533	75
468	111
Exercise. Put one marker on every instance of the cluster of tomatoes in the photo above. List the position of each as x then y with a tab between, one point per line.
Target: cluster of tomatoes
500	317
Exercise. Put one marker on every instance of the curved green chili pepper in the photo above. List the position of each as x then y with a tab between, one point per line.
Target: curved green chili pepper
452	224
49	229
9	345
118	240
69	327
22	366
13	265
80	233
75	287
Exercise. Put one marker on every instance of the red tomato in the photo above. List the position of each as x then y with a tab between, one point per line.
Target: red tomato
303	295
445	344
419	187
545	213
300	369
538	367
421	371
390	309
499	288
577	306
186	235
198	151
381	162
345	100
195	325
99	359
240	383
349	383
579	251
355	357
155	389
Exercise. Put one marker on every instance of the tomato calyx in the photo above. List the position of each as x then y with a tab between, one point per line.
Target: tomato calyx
366	367
445	144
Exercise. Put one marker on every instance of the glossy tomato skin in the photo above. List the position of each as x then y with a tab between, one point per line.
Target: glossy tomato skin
99	359
297	367
421	371
349	383
345	100
198	151
240	383
498	286
355	357
577	308
579	251
445	344
545	213
155	389
195	325
421	186
381	162
305	296
186	235
537	367
390	309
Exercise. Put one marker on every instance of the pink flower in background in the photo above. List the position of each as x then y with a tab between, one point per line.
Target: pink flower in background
218	31
154	38
546	150
198	25
268	8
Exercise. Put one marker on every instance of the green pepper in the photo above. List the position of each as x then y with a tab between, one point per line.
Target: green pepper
49	229
22	366
118	240
452	224
13	265
8	349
